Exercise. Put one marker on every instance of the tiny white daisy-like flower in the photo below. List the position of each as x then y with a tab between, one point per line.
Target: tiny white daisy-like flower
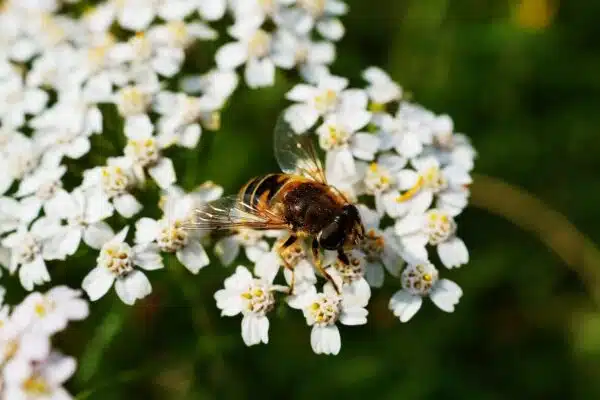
435	227
382	89
84	215
430	180
18	100
381	176
20	159
171	236
143	152
11	214
339	136
253	242
254	48
30	249
251	297
323	310
115	264
290	50
50	312
408	132
41	380
132	101
328	95
113	182
19	348
350	277
322	13
41	189
381	248
419	280
179	34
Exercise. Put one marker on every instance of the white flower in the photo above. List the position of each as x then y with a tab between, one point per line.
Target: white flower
20	159
17	100
253	47
381	177
350	278
323	310
326	96
179	34
49	313
382	89
420	280
115	264
41	189
11	214
84	215
339	137
322	13
19	348
228	248
212	10
41	379
171	236
290	50
437	228
381	248
143	152
430	180
251	297
30	248
133	101
112	182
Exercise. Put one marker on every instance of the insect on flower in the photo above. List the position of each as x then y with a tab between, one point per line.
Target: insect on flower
298	200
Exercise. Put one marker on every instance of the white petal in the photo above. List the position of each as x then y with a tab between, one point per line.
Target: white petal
354	316
132	287
229	301
325	339
301	117
259	73
409	145
138	127
255	329
301	93
163	173
446	294
267	266
146	230
374	274
331	29
453	253
364	146
147	256
231	55
212	10
405	305
127	205
97	282
193	257
34	273
227	249
97	234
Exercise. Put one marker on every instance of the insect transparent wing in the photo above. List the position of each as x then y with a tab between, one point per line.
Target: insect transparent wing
296	153
229	213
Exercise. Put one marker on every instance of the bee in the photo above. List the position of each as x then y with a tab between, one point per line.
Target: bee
298	200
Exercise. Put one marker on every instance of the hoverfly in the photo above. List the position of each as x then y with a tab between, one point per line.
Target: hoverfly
298	200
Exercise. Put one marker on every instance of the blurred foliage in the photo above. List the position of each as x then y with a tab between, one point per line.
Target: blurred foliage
521	78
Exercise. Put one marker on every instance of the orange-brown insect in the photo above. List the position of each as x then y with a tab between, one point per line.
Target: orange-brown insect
298	200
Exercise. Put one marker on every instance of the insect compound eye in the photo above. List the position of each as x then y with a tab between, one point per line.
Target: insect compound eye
332	236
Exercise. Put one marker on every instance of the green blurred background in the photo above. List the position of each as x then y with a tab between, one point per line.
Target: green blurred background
522	79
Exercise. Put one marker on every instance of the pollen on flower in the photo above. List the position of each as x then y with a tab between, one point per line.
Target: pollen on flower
326	101
324	310
116	257
439	226
372	245
378	179
409	194
434	180
258	298
179	33
36	386
28	249
259	44
334	137
143	152
172	237
43	307
248	237
419	279
291	255
114	180
211	121
131	100
142	46
352	271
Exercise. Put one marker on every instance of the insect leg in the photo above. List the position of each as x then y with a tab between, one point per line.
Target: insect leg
343	257
288	242
319	265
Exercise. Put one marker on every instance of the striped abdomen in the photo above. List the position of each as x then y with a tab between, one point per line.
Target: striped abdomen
260	191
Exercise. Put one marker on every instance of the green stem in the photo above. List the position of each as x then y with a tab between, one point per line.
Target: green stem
550	226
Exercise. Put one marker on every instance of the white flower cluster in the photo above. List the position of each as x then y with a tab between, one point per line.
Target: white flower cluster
30	367
60	75
409	173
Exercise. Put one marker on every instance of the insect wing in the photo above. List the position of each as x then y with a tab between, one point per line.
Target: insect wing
228	213
296	153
